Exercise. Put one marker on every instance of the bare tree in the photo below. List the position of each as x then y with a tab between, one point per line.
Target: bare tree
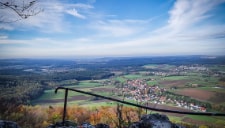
22	9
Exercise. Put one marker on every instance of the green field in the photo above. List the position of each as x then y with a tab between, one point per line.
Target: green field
161	67
218	68
151	66
208	83
152	82
208	119
87	85
133	76
215	89
176	78
120	79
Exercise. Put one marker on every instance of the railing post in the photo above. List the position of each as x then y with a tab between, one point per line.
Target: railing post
65	105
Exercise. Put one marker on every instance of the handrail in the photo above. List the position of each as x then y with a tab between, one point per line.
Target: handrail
132	104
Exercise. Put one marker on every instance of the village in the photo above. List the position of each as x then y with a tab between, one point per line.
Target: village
139	91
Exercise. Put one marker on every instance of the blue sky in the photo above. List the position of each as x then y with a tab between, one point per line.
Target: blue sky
102	28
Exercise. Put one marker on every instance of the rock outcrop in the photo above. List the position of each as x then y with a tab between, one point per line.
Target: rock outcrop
154	121
69	124
8	124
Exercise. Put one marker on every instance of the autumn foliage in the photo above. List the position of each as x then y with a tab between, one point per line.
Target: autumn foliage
118	116
42	116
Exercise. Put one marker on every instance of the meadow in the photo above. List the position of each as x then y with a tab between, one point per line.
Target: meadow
200	84
203	87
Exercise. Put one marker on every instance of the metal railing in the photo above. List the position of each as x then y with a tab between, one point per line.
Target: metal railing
129	103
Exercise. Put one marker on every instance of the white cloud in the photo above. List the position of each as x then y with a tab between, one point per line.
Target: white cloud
154	45
186	13
82	6
3	37
51	20
109	37
119	28
6	27
75	13
188	21
72	9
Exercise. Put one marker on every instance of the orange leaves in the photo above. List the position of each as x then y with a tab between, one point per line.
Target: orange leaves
42	116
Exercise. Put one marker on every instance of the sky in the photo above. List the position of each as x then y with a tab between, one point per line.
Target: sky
115	28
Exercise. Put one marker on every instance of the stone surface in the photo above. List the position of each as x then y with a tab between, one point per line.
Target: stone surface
102	126
70	124
8	124
154	121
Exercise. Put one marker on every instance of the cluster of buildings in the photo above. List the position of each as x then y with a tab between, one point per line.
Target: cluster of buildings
139	91
181	70
190	106
193	67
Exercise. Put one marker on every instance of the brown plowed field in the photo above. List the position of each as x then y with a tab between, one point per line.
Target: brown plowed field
172	83
196	122
74	98
218	98
104	89
196	93
160	106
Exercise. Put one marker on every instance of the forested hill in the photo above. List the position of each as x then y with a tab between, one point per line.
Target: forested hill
83	69
112	61
35	75
173	60
23	80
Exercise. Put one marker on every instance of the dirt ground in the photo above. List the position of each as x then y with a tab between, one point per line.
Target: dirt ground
196	93
104	89
192	121
74	98
172	83
159	106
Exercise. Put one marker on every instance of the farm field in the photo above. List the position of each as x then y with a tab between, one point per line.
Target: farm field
180	87
195	86
50	98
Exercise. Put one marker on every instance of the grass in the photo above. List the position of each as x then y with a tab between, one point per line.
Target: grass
202	118
143	72
103	93
50	94
176	77
99	104
219	68
133	76
167	67
175	119
192	77
213	89
210	81
159	66
85	84
68	82
152	83
151	66
197	79
121	79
